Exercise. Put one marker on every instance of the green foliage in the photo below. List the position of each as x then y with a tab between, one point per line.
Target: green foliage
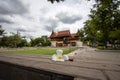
1	31
103	25
3	41
40	42
90	32
115	34
81	34
37	42
14	40
23	43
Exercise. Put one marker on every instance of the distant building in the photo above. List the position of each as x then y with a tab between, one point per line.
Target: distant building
64	38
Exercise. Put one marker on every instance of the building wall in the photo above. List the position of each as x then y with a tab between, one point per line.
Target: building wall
78	43
55	43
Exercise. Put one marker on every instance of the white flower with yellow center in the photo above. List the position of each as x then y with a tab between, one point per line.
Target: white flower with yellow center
59	56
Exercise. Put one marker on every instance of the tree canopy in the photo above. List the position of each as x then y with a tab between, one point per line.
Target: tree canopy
104	23
1	30
40	41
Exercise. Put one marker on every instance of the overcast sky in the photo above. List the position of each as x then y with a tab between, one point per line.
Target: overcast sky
34	18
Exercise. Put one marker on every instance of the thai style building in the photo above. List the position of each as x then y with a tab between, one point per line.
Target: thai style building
64	38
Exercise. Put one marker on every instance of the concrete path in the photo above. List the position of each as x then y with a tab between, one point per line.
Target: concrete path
88	64
107	61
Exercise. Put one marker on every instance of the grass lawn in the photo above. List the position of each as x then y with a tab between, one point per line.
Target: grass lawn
45	51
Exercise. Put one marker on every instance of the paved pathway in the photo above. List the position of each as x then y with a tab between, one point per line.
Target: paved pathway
106	61
88	64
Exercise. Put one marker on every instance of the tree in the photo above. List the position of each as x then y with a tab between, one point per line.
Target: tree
90	33
1	35
40	42
81	34
104	18
37	42
23	43
15	40
1	31
3	41
115	38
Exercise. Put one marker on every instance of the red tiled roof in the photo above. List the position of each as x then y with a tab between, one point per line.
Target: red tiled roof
73	36
53	34
63	33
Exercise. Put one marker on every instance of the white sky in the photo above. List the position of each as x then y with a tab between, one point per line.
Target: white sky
34	18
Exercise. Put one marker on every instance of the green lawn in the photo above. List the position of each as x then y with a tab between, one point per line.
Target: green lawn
45	51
